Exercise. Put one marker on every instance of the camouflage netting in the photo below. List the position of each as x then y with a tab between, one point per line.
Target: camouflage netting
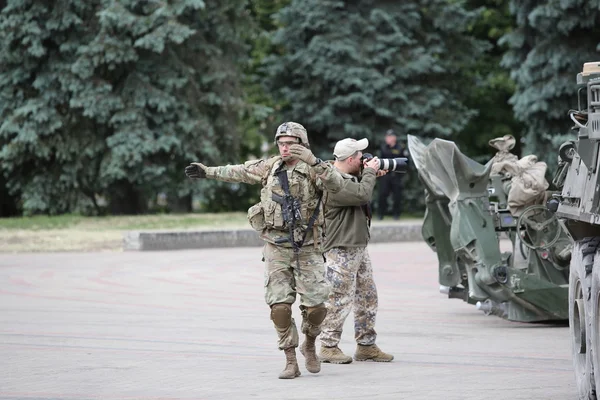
528	182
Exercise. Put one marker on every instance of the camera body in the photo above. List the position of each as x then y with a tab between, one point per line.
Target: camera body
399	164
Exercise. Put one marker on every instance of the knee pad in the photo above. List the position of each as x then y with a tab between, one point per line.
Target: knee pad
316	315
281	315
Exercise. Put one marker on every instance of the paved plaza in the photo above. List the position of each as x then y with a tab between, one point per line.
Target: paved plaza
192	324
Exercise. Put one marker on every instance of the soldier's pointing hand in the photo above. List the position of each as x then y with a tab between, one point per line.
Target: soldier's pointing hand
302	153
196	171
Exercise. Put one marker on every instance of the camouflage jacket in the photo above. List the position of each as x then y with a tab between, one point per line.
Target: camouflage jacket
306	183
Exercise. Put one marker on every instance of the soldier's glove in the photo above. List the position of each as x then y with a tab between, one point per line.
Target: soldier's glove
302	153
196	171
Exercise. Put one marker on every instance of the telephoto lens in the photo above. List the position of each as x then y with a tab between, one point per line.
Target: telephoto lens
399	164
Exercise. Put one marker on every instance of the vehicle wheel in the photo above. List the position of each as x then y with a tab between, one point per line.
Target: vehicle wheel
580	316
595	319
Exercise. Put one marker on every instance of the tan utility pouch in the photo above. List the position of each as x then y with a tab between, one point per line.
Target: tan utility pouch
256	217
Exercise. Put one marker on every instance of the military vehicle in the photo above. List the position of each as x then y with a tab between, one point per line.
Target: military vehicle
553	270
470	207
578	206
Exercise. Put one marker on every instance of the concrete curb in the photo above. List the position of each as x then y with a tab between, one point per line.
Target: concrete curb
180	240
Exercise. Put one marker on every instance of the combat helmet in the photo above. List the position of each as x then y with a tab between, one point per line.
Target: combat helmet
293	129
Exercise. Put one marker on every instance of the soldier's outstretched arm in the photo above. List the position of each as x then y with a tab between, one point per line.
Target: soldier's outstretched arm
249	172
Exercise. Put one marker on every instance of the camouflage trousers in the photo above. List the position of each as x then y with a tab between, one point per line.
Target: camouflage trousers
350	275
285	277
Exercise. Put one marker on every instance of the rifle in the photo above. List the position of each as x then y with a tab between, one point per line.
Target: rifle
292	216
290	207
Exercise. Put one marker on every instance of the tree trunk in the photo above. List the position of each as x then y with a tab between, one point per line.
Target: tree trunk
125	199
9	206
180	204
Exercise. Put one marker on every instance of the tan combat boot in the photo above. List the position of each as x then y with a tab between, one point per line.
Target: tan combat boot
372	352
308	351
291	370
334	355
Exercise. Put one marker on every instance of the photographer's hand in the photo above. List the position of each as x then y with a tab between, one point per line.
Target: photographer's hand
302	153
373	163
196	171
381	172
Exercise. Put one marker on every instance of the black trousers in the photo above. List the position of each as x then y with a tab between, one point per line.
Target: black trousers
389	185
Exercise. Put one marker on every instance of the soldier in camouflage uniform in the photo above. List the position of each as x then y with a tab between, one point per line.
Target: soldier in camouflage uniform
290	268
349	270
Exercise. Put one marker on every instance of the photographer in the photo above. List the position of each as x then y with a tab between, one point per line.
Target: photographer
349	271
290	220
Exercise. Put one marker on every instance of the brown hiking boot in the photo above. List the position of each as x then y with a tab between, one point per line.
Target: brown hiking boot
291	370
372	352
334	355
308	351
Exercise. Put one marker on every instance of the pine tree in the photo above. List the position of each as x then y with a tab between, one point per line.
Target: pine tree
110	99
359	68
547	50
491	86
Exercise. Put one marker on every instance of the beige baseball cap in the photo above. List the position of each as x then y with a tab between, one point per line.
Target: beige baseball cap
346	147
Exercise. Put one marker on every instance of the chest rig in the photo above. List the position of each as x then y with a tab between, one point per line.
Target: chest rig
291	202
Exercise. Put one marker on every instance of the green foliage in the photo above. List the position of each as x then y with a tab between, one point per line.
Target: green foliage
261	102
491	86
112	99
547	49
259	108
104	102
356	69
221	58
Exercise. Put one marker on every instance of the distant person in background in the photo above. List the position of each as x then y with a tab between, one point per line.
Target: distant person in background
391	184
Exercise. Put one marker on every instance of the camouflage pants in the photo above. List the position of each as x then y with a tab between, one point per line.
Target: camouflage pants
284	278
350	274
